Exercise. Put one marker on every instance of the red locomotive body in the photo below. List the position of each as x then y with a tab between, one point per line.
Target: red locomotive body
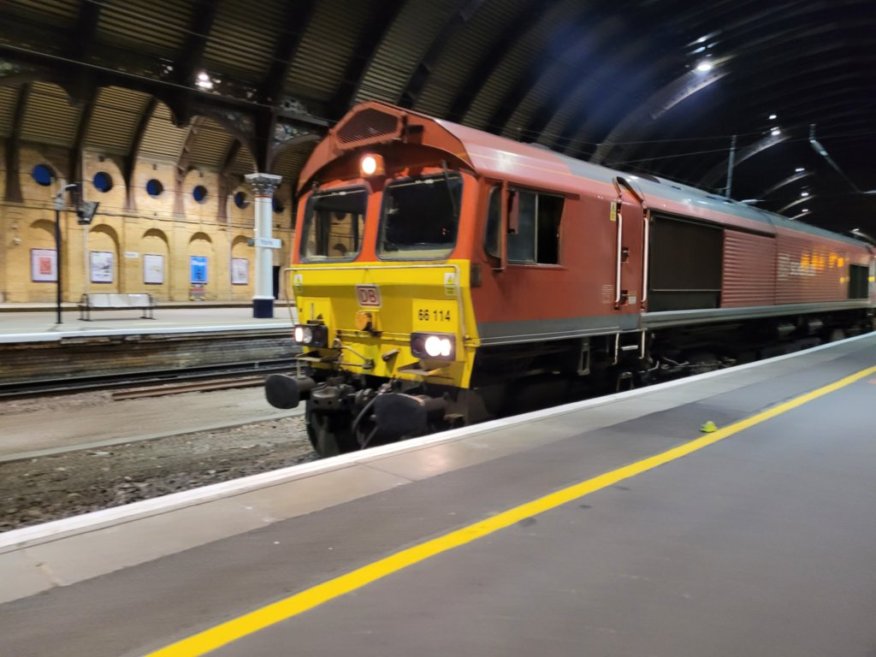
524	266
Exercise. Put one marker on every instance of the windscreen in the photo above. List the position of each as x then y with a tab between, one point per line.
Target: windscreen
334	225
420	218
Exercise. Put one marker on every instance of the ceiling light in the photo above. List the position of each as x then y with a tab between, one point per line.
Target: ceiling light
804	194
204	81
702	39
773	117
805	210
775	132
799	170
704	66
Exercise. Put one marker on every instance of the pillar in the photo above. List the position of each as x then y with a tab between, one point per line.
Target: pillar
263	186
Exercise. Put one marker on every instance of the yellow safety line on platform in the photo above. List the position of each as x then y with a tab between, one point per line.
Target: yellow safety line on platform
221	635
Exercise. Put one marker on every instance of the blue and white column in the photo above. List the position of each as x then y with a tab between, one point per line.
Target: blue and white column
263	187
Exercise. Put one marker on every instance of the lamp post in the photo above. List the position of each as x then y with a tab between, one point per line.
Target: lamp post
59	205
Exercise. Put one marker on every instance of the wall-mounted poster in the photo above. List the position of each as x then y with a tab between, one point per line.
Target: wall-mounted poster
43	265
101	266
153	269
198	269
239	271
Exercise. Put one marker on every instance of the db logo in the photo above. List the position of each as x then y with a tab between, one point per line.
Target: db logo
369	295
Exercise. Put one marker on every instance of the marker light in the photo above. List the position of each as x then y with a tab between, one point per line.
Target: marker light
303	335
313	335
371	165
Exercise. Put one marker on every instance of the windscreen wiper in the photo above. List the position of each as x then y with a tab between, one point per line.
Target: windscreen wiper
449	191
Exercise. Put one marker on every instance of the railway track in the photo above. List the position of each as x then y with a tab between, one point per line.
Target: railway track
153	383
159	390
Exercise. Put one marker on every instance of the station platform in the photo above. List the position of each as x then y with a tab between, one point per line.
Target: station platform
38	322
611	527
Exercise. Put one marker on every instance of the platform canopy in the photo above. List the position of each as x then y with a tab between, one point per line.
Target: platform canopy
650	86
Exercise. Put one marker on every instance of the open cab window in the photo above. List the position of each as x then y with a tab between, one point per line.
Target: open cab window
537	240
420	218
334	225
533	226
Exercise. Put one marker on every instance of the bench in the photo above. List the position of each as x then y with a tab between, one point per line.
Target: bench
116	301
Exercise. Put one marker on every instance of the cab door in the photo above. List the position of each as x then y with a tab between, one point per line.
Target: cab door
632	223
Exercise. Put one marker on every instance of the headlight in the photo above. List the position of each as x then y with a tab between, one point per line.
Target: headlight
303	334
436	346
314	335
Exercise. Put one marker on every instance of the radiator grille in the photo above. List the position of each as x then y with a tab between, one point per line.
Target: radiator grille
369	126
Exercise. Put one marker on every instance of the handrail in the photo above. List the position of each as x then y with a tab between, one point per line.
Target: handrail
646	256
617	278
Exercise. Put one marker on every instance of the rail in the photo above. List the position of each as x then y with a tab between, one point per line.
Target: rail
152	378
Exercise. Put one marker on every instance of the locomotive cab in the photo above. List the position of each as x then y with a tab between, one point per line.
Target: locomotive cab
381	275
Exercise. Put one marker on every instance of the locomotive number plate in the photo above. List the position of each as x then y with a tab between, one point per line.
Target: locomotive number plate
434	315
368	295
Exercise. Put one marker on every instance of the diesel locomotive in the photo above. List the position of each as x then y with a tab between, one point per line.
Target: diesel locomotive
444	275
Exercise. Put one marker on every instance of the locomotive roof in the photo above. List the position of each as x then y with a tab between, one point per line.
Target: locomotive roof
478	144
375	123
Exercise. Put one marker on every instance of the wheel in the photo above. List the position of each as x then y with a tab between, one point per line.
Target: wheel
329	433
836	335
701	362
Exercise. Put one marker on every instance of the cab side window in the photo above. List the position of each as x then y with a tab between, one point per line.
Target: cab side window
537	240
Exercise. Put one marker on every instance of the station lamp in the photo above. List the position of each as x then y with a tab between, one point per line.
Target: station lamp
85	211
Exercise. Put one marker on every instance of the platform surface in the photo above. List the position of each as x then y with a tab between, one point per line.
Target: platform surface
37	323
757	540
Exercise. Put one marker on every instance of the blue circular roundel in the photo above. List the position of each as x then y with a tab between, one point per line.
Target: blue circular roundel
42	174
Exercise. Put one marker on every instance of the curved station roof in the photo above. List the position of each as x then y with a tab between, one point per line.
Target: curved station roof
786	91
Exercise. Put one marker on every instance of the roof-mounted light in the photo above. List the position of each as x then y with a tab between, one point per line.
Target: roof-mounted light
371	164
